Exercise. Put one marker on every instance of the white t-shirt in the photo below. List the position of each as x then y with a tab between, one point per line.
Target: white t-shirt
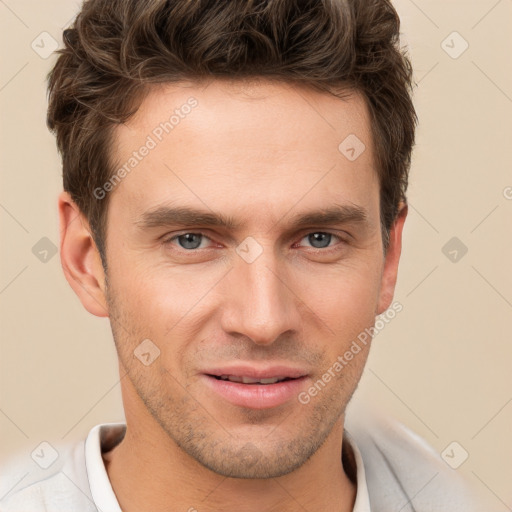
395	469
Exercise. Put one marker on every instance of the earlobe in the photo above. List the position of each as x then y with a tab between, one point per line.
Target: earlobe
80	258
390	272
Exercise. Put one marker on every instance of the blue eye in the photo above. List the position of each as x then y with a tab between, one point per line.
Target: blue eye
319	240
189	240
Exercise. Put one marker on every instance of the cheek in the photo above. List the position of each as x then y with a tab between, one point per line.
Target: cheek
346	300
166	305
163	292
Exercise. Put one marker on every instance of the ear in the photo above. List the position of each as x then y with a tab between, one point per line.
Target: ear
392	258
80	258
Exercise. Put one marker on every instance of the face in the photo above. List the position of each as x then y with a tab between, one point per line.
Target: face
244	256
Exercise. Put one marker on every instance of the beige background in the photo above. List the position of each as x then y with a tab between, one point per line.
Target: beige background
442	366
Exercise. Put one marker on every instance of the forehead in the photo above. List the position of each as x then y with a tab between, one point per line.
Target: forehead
234	145
276	113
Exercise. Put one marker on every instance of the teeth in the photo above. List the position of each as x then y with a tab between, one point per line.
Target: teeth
232	378
250	380
270	381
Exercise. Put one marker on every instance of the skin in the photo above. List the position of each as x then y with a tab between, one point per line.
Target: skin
260	153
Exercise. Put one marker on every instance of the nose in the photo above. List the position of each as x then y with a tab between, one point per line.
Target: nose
260	301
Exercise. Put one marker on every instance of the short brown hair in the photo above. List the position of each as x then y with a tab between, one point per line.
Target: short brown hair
116	48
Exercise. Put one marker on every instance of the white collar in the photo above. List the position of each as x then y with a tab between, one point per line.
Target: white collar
101	488
362	503
104	437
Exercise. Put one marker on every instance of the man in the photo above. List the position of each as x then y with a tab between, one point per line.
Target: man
234	199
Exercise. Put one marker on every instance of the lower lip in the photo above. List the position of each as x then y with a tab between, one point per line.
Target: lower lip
256	396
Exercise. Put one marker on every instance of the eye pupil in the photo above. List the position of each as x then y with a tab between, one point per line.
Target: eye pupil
190	240
320	240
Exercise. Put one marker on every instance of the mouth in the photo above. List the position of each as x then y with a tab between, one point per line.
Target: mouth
250	380
256	388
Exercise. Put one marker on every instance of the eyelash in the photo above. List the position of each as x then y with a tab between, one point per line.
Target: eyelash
341	240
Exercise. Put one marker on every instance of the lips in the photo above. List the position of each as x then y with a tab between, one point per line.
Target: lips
256	387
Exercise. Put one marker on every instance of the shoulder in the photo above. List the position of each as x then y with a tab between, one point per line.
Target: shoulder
58	483
402	471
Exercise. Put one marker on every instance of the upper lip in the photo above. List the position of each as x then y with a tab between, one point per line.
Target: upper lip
255	372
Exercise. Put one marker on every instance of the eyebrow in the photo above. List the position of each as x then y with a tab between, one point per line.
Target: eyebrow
184	216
